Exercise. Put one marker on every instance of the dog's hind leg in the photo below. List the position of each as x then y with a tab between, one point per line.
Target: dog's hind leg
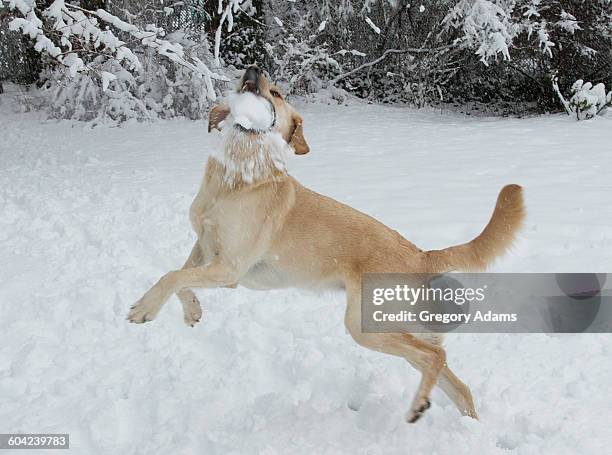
429	358
458	392
192	310
451	385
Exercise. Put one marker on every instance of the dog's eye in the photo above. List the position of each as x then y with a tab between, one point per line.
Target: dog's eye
275	94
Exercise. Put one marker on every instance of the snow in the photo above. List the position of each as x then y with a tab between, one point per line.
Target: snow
107	78
266	153
79	27
119	24
91	218
372	25
588	100
22	5
251	111
568	22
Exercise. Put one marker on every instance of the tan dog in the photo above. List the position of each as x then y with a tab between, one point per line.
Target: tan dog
263	230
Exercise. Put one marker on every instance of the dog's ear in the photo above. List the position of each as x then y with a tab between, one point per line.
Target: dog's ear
297	136
216	115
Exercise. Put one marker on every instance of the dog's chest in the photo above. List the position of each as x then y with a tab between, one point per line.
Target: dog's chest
219	218
208	199
227	220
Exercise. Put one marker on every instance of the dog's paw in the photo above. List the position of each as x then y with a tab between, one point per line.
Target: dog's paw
192	311
144	310
470	413
418	410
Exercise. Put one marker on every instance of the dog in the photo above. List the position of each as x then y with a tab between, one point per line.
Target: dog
259	228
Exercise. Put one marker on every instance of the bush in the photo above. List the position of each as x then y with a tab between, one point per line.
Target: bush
587	100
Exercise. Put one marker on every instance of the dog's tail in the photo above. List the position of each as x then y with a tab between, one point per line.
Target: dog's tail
493	241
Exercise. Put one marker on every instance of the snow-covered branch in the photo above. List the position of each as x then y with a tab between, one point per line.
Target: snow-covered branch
67	31
486	26
227	15
412	50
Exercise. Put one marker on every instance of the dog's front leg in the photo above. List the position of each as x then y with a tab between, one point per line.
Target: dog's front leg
192	310
214	275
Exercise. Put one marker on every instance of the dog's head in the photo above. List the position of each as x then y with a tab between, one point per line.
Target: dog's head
286	119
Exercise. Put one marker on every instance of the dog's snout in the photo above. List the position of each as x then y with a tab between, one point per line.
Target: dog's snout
252	71
252	74
251	79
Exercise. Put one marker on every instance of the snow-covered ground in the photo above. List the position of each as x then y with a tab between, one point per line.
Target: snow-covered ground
91	218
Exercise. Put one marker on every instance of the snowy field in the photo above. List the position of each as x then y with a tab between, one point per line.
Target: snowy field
91	218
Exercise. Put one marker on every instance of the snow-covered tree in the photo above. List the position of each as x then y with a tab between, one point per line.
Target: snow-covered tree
161	58
120	63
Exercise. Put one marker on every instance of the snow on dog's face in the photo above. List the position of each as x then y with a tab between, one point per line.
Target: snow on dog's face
251	112
259	107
